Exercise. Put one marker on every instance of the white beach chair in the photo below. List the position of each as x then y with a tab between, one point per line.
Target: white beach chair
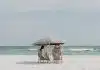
44	55
57	54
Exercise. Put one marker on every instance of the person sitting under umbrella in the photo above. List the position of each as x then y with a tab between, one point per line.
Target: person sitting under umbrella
57	53
42	47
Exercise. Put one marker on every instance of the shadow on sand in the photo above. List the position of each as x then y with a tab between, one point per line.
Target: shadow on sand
31	63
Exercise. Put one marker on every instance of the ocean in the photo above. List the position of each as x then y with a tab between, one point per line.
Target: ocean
32	50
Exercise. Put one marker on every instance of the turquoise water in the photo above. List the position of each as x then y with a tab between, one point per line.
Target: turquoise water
32	50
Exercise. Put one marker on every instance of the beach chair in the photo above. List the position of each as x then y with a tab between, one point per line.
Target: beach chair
57	54
43	56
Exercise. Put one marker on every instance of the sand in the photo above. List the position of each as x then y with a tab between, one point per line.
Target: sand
29	62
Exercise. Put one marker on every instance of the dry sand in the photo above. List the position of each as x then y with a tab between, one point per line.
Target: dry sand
29	62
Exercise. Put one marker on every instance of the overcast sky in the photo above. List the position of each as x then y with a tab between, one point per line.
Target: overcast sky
25	21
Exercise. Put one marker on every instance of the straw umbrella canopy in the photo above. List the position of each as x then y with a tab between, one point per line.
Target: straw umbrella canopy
47	41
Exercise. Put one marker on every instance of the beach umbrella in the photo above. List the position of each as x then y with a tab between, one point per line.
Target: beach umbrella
48	41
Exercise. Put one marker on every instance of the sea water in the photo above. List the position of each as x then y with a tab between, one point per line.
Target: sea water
32	50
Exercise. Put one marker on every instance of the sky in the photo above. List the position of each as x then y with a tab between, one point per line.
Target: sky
22	22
